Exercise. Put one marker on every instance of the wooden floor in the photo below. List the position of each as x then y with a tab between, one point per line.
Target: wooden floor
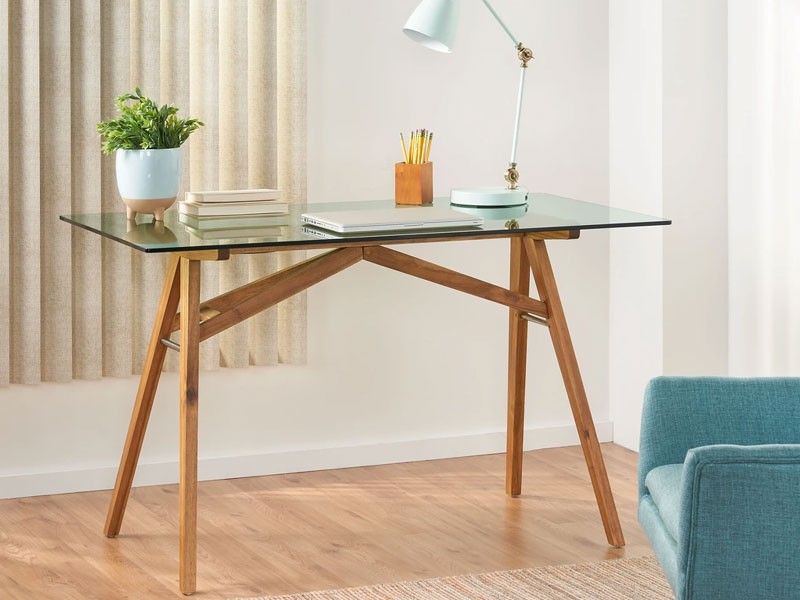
311	531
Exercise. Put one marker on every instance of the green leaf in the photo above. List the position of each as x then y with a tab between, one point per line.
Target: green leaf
143	125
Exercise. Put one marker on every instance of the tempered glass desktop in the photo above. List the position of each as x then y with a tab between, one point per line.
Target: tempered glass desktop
544	212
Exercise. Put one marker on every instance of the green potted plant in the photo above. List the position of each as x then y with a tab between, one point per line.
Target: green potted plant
147	139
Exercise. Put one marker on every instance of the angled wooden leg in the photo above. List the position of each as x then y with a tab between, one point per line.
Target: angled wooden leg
190	365
148	383
565	353
517	363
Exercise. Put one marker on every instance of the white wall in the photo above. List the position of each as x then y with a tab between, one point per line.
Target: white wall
668	156
398	369
695	152
636	170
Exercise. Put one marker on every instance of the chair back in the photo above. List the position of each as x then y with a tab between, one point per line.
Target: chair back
681	413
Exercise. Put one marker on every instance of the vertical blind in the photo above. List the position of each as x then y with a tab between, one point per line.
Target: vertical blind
73	305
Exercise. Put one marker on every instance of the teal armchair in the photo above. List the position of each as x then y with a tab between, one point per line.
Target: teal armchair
719	485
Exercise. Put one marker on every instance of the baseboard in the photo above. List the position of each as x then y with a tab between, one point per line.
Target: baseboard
294	461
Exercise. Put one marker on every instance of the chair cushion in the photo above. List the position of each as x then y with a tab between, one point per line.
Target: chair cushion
664	485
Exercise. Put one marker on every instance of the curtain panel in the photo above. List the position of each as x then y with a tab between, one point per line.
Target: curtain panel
764	187
73	305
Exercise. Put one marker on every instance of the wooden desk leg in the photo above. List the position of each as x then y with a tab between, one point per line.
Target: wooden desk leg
148	384
190	365
565	353
517	367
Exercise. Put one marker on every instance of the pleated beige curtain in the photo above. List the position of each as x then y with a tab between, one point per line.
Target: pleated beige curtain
73	305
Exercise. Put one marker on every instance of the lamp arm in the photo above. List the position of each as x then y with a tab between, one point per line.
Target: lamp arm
525	55
512	175
499	20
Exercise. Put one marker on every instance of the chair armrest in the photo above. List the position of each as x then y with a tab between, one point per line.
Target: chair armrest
739	534
681	413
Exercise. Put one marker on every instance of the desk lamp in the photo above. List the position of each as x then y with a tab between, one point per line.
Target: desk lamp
433	24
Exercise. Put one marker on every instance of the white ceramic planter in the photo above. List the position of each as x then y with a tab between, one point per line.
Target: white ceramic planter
148	180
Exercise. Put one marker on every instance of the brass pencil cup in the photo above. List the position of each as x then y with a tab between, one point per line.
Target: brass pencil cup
413	183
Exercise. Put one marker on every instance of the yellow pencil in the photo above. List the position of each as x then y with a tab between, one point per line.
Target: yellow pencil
414	149
403	143
428	149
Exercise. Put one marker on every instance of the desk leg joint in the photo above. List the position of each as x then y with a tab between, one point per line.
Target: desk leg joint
534	319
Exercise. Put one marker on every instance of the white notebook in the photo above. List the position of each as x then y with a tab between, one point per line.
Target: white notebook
390	219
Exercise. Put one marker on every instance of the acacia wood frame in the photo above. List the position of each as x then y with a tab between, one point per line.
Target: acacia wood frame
180	309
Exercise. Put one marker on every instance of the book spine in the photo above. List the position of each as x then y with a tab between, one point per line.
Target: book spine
195	210
219	198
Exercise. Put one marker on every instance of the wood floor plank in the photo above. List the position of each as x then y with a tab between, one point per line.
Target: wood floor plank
327	529
109	561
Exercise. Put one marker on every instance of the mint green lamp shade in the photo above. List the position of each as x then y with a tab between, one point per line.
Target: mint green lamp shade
434	23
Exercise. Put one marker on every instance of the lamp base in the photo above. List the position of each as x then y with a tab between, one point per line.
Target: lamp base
494	213
496	197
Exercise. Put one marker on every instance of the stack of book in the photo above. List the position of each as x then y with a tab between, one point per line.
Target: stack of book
233	213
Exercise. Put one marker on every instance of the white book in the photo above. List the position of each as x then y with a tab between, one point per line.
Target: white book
233	222
232	208
233	234
259	195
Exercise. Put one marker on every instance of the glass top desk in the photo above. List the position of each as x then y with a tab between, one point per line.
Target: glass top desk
544	213
546	217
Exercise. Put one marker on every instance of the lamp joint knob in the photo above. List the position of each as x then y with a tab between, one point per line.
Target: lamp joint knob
512	176
524	54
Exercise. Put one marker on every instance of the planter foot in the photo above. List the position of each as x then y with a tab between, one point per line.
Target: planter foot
148	206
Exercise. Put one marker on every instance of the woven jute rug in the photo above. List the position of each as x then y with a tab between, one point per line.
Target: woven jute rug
624	579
